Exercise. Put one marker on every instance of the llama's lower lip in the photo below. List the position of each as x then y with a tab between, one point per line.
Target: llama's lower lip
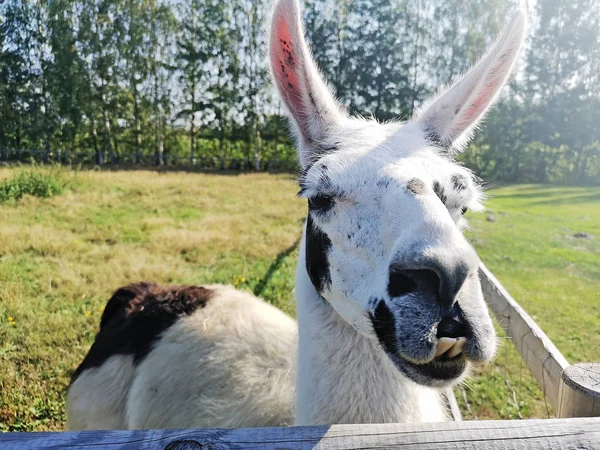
439	372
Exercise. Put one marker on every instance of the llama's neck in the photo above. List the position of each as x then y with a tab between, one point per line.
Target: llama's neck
344	377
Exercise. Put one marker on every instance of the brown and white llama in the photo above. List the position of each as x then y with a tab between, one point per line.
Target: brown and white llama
389	304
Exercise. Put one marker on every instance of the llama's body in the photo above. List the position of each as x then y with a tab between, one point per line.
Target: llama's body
390	308
227	363
231	363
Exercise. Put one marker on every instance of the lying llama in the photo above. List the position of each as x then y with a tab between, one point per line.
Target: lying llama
389	304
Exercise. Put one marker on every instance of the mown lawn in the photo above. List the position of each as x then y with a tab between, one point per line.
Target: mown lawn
543	243
60	259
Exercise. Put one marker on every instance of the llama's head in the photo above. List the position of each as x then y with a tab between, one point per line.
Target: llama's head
383	241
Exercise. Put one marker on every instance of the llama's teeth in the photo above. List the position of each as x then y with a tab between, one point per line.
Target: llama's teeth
458	347
444	343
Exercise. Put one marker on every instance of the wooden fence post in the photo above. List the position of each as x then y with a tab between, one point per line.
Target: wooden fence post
580	391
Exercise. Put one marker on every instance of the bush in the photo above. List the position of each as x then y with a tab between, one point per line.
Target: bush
39	183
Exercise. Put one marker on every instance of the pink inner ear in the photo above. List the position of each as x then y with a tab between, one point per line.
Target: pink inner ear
286	65
484	97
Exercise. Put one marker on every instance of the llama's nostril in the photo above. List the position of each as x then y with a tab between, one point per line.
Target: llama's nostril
451	328
400	283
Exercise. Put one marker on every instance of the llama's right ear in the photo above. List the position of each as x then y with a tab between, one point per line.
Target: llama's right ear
449	120
302	89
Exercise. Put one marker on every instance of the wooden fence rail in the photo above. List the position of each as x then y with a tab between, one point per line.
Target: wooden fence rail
573	391
580	434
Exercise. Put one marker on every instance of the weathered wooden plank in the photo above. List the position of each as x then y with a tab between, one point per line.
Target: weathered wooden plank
542	358
583	433
580	391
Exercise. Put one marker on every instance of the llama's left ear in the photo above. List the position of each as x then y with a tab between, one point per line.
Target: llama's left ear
449	119
301	87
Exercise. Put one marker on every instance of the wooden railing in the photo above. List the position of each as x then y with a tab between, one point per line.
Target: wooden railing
469	435
572	390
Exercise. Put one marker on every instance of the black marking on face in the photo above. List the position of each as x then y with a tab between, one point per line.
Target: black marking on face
136	316
383	183
384	325
433	137
318	151
323	149
373	301
439	191
302	179
416	186
324	180
459	182
317	246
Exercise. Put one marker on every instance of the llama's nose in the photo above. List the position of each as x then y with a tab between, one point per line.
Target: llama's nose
444	276
451	327
451	335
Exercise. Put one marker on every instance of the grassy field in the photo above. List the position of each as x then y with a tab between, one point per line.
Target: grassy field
527	237
61	257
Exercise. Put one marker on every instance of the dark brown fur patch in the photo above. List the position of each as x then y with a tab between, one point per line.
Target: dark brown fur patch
416	186
135	317
459	182
439	191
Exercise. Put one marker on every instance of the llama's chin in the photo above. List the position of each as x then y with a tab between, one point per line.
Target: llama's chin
437	373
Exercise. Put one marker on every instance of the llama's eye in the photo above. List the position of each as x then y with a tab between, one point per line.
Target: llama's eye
320	202
464	210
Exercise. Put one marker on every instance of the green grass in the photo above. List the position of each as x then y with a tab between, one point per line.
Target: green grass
532	249
61	257
44	183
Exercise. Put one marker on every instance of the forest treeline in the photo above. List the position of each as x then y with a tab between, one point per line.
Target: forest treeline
186	81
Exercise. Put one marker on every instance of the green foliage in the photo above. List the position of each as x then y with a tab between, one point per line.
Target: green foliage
35	182
149	81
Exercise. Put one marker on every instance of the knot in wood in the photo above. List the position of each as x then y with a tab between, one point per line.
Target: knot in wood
186	444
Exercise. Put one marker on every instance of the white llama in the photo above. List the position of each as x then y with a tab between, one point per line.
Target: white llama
390	309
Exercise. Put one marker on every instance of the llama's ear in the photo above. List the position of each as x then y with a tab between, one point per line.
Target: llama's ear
302	89
449	119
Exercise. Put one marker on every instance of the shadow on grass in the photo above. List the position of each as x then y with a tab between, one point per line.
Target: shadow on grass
186	169
553	197
274	267
285	168
585	198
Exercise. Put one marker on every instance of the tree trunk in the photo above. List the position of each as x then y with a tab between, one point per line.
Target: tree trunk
98	151
276	152
116	156
160	152
248	145
221	146
160	144
453	43
107	141
192	134
138	128
416	60
257	149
